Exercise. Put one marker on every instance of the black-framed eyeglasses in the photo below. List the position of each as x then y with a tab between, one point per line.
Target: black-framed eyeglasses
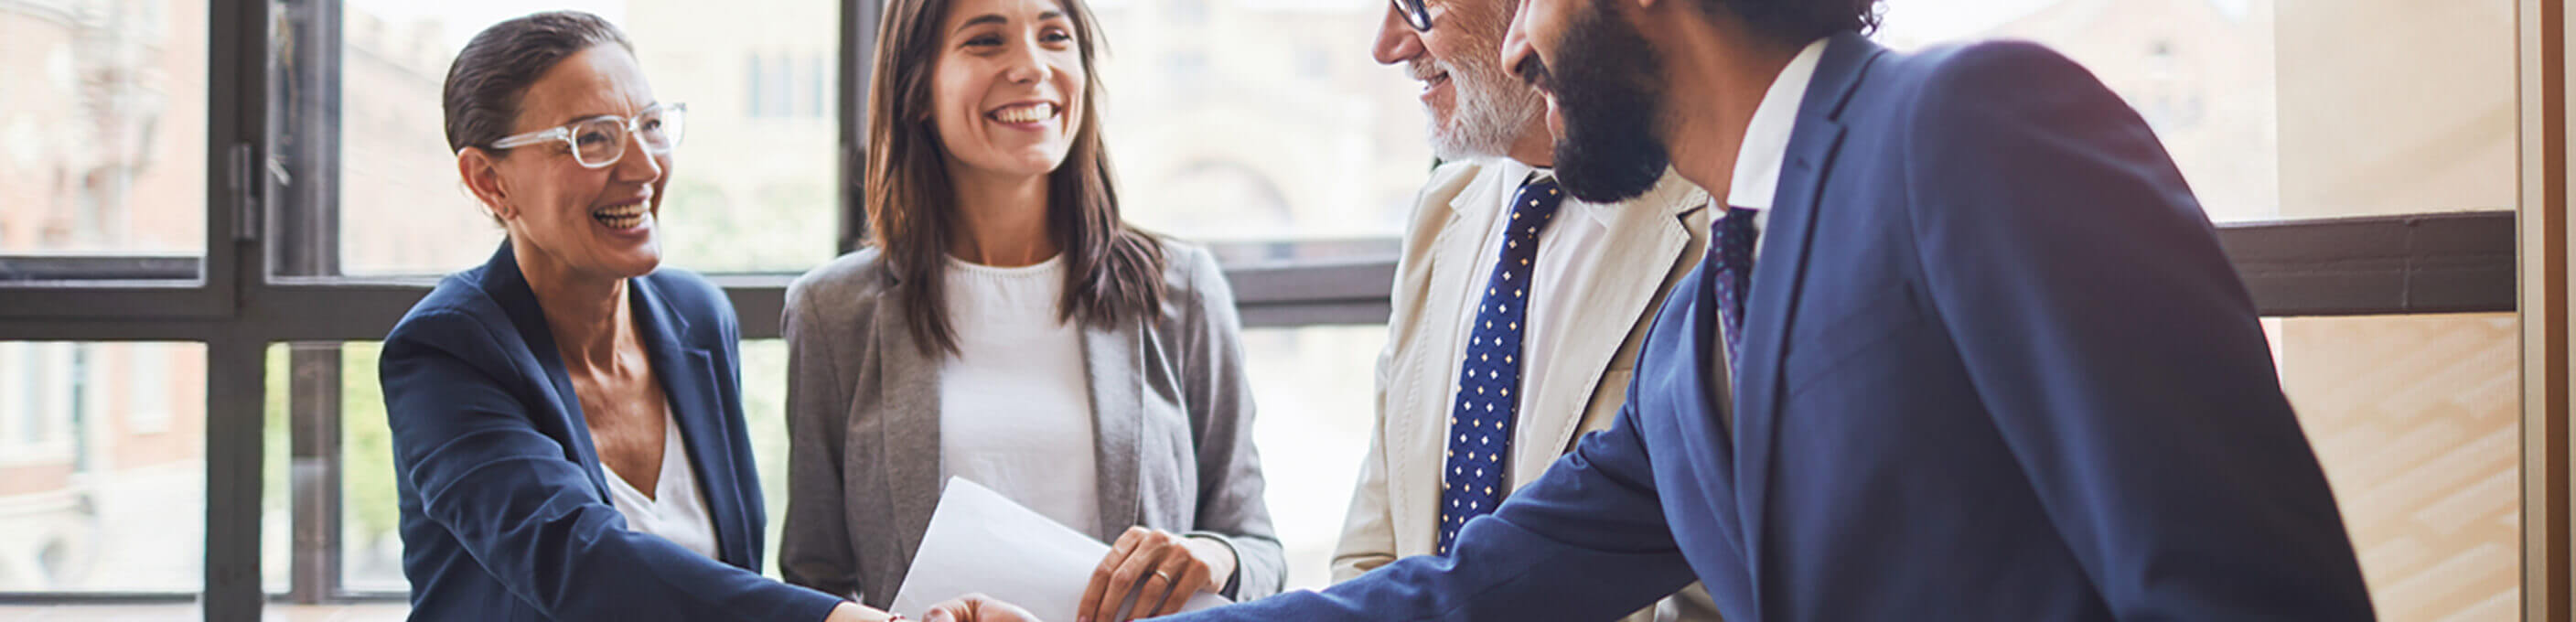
1414	13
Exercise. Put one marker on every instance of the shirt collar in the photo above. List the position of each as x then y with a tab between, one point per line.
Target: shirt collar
1766	140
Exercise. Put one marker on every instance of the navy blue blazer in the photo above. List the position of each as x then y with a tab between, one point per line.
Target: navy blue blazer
505	512
1996	368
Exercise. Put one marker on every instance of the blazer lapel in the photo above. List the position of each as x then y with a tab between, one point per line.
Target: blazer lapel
1649	239
509	288
1779	270
1414	451
689	379
909	436
1110	357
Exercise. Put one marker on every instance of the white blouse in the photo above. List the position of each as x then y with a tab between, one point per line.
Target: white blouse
677	511
1015	402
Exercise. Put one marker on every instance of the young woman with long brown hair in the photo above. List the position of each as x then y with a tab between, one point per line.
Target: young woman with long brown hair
1008	328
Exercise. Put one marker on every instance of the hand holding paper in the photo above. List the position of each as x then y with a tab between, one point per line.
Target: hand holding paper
1162	569
982	542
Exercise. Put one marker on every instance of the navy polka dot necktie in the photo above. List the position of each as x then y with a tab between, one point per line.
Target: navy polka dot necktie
1730	258
1480	427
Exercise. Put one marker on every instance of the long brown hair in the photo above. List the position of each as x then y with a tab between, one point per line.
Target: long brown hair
1113	272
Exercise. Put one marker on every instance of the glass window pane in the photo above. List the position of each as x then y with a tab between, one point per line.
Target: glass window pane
2281	109
1260	121
2418	422
370	548
1313	385
751	189
123	613
102	466
103	128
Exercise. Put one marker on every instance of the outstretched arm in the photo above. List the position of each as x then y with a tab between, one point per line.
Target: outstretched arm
1586	541
482	470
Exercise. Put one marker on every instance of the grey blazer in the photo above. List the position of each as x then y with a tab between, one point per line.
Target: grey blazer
1173	422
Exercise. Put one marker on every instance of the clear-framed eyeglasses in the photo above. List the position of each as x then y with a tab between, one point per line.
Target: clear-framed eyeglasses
598	141
1415	15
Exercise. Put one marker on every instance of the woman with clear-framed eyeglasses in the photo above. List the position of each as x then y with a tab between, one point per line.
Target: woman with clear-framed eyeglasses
567	418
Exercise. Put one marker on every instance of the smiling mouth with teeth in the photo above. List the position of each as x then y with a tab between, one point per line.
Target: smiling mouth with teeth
1028	113
626	216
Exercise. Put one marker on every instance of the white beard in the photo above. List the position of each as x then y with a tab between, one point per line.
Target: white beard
1492	111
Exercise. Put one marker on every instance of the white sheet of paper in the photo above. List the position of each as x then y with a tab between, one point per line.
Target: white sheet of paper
982	542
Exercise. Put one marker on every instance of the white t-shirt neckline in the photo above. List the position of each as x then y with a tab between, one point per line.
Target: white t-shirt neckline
677	510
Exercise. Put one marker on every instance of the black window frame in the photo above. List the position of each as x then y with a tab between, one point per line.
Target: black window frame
232	301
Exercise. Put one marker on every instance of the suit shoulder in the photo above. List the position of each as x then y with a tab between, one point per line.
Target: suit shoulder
457	302
459	323
860	273
1449	178
1432	207
1194	284
850	282
1985	58
1671	193
1969	73
1190	270
1447	182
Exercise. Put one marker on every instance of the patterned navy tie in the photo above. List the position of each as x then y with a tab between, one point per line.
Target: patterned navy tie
1480	428
1730	259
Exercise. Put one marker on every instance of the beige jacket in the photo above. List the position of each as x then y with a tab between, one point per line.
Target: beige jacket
1656	239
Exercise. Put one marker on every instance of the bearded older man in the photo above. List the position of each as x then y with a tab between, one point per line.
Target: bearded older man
1518	311
1993	364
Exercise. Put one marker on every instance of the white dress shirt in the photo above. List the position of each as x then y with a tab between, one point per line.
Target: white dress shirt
1576	235
1015	400
677	510
1766	140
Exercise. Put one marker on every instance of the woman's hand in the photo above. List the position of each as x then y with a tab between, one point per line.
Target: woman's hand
976	608
1168	567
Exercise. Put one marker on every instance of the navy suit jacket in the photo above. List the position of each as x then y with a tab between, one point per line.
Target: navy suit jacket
505	512
1996	368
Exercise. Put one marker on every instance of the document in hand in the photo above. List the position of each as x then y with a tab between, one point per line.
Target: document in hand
982	542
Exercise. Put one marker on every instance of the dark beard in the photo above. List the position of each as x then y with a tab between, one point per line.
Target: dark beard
1608	93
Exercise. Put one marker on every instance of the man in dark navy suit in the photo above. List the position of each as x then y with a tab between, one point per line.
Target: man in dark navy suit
1988	362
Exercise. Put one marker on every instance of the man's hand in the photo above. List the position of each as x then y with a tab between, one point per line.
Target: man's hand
976	608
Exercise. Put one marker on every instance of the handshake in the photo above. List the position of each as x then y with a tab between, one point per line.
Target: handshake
1016	565
976	608
1146	573
968	608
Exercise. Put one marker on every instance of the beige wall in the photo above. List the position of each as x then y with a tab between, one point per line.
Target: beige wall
1286	130
2387	107
746	191
2396	106
2196	73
